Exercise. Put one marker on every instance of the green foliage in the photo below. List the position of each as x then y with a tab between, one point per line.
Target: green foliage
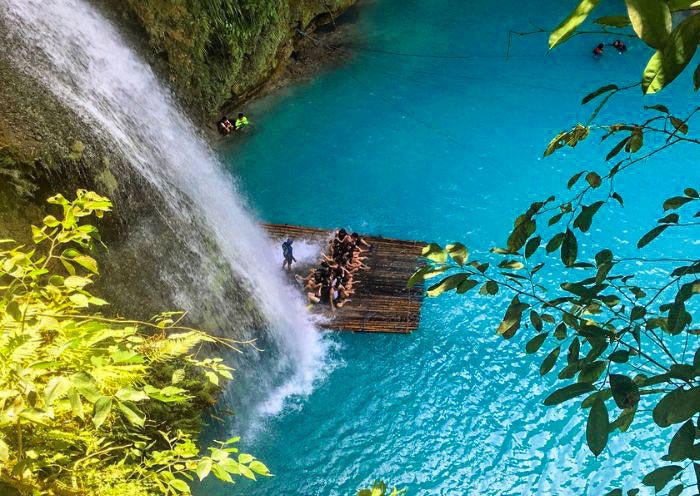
78	407
379	488
220	50
619	346
652	22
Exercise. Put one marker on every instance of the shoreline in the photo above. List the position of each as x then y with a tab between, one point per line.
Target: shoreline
323	45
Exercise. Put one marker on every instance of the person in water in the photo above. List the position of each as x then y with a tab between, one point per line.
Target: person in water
225	125
288	254
241	121
619	46
598	51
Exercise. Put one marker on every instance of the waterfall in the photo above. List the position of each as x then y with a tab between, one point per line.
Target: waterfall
75	53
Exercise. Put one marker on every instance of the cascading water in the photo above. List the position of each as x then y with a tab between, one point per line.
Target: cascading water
69	47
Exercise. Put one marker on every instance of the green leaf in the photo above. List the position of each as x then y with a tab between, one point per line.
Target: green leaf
532	246
554	243
661	476
661	108
259	468
86	262
102	408
574	178
447	284
458	252
677	406
76	404
523	229
676	202
665	65
573	352
585	217
220	473
591	372
624	391
603	257
681	126
696	78
511	264
85	384
179	485
490	288
536	320
597	427
624	421
535	343
419	275
177	376
681	446
35	415
569	25
4	451
129	394
651	20
203	468
619	356
636	141
568	392
56	388
593	179
591	96
434	252
512	318
79	300
617	148
676	490
550	360
614	21
569	248
651	235
676	5
466	286
246	472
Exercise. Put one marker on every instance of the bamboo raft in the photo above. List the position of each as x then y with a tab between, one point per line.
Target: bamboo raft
382	302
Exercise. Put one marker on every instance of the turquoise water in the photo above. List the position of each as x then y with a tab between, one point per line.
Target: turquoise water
446	148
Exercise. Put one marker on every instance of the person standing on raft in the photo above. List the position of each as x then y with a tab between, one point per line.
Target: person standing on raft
288	254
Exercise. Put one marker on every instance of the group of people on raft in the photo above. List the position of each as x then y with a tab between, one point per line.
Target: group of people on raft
617	45
227	127
332	282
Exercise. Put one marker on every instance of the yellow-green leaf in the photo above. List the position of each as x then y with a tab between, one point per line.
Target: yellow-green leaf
569	25
651	20
665	65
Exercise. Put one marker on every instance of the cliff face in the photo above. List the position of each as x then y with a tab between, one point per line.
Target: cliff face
213	52
220	51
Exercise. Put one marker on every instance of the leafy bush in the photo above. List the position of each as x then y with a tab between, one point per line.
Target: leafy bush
78	407
624	345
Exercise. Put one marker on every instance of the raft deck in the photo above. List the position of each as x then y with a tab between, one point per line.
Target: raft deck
382	302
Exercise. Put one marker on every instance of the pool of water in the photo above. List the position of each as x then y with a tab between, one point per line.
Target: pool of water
446	148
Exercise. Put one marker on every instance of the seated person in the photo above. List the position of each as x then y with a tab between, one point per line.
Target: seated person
241	121
359	242
225	125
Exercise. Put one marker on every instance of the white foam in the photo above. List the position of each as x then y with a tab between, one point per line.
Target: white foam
71	49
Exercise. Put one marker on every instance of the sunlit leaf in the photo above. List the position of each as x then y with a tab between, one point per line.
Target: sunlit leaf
573	21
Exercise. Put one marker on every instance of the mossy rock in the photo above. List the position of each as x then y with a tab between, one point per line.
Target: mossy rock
217	52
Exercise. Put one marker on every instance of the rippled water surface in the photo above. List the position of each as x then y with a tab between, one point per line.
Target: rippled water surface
446	148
